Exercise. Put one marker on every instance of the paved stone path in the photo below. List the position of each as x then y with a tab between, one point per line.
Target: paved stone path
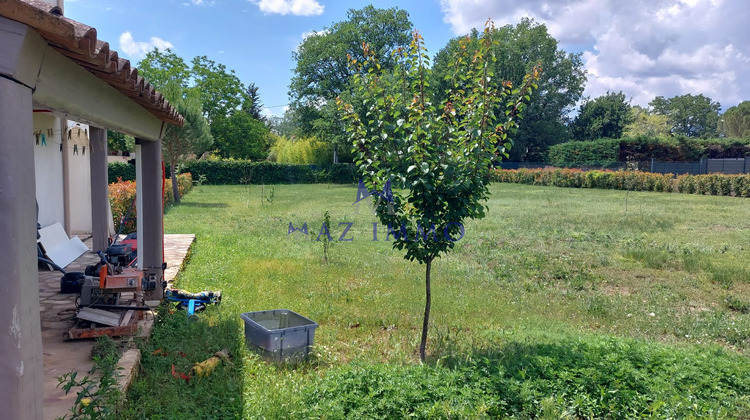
57	315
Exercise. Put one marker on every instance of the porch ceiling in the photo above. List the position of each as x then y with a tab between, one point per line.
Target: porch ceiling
79	43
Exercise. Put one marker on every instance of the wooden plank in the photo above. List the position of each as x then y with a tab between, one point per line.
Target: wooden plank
99	316
126	319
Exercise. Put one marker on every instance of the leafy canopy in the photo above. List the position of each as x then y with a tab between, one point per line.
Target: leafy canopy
322	72
689	115
518	49
603	117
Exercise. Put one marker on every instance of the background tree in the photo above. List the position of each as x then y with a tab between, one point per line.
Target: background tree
689	115
179	143
163	67
645	124
737	121
322	71
438	155
519	48
603	117
252	105
118	142
241	136
221	95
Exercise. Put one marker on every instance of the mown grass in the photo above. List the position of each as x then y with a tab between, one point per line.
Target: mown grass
578	303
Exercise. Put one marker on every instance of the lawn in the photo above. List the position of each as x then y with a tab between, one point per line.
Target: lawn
561	302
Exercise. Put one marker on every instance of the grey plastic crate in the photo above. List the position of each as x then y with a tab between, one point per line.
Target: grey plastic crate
280	335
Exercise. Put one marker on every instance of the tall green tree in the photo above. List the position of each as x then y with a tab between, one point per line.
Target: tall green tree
603	117
689	115
737	121
518	49
322	71
221	91
253	105
179	143
163	67
436	154
120	142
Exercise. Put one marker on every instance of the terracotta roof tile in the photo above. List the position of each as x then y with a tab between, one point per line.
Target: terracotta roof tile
79	42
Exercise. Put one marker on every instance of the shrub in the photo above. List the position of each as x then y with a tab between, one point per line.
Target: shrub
122	199
714	184
235	172
121	170
184	185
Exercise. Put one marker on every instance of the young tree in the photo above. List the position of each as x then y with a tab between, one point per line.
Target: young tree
689	115
440	154
603	117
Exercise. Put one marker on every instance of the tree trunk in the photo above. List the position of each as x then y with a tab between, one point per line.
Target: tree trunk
173	176
423	343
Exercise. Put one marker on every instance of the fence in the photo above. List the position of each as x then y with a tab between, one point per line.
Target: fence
703	166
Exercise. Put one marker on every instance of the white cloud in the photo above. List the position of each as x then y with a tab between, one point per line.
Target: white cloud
643	47
138	49
294	7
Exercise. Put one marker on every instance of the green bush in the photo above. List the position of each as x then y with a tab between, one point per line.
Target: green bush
602	152
184	185
121	170
236	172
713	184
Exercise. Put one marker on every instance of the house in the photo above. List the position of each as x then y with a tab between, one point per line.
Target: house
54	69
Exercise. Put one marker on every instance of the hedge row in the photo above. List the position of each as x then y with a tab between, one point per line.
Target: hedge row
122	198
121	170
712	184
233	172
606	152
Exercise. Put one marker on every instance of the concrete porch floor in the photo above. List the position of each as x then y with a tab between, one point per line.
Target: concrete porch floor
57	315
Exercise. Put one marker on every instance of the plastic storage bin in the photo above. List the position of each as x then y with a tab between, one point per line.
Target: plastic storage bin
280	335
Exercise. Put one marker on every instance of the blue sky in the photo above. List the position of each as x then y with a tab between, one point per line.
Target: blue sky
643	47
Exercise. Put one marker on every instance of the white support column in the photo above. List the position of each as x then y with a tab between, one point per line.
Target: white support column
21	392
99	188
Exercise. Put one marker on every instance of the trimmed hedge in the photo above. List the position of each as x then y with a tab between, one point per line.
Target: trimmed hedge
122	195
606	152
234	172
121	171
711	184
